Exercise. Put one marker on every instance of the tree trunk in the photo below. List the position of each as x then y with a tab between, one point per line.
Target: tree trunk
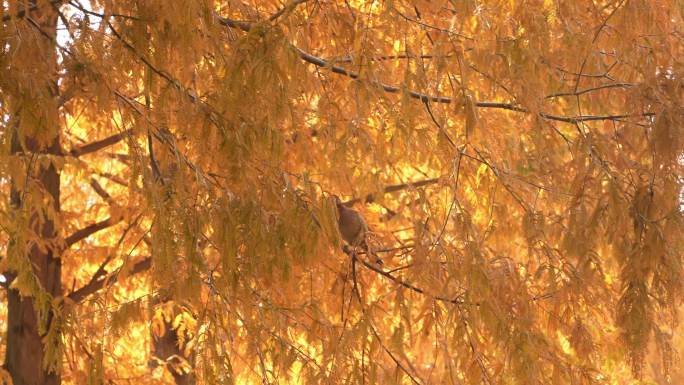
36	135
25	348
167	348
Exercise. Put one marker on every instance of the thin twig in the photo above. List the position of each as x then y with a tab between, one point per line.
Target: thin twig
456	300
320	62
288	8
356	291
393	188
586	90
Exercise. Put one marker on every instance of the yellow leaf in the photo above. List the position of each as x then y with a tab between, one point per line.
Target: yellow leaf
471	117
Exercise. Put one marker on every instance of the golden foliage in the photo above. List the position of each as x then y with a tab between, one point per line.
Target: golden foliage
519	164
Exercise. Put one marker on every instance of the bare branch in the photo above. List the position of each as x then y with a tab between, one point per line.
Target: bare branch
349	58
101	271
113	178
89	230
102	280
393	188
584	91
99	190
100	144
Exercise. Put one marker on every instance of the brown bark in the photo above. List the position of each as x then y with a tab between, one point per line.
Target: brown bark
36	57
25	348
168	349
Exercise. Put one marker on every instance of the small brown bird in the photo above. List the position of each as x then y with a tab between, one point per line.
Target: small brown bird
353	227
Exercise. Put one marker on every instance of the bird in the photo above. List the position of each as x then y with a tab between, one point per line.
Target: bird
353	227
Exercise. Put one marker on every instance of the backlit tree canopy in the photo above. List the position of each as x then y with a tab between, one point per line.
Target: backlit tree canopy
169	171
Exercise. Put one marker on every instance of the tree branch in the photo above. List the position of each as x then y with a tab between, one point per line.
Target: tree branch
429	26
24	12
99	190
98	282
286	8
393	188
116	179
89	230
99	144
584	91
355	290
349	58
320	62
458	300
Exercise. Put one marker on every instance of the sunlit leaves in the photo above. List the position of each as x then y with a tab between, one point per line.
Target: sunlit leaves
548	251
